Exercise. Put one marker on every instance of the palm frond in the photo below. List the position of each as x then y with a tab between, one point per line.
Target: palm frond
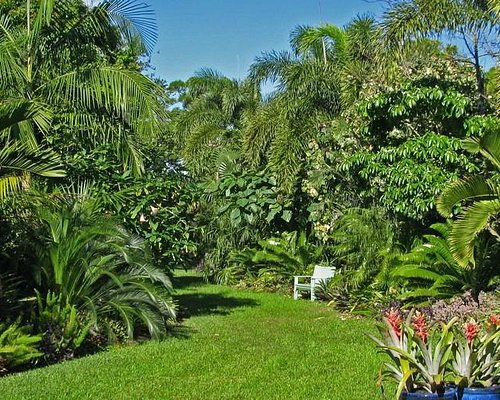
326	42
474	188
17	161
133	19
15	113
473	220
269	67
126	94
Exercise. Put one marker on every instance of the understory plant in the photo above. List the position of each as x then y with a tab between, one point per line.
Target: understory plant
430	270
63	328
274	262
17	346
89	262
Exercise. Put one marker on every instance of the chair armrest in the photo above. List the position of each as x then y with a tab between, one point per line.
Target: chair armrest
297	277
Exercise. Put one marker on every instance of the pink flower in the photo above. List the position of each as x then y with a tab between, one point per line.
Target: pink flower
393	317
419	324
471	329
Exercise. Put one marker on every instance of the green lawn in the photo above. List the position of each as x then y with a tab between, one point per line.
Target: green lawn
234	344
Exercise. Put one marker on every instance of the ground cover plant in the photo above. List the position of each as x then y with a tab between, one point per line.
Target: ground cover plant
233	343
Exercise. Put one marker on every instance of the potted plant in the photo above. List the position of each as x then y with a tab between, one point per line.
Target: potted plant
419	353
476	361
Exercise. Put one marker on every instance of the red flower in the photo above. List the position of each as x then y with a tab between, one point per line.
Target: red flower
393	318
471	330
494	320
419	324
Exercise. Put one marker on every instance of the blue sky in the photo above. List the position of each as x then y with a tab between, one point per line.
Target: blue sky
227	35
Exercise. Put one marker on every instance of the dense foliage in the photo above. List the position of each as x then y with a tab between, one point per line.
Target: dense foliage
76	113
367	125
374	134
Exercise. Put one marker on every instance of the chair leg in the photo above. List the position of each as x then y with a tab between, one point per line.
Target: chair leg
313	295
295	294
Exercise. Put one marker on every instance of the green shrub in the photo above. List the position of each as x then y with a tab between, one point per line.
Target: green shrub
89	262
17	347
62	329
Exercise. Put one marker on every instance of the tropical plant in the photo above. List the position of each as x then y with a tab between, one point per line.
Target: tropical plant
10	294
420	353
364	241
208	126
17	347
62	329
88	261
160	207
241	208
478	199
307	85
52	77
477	353
432	263
472	22
409	146
18	161
251	198
275	262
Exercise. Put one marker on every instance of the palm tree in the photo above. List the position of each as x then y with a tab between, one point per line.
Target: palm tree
434	273
52	74
90	262
314	83
477	199
17	162
471	21
214	107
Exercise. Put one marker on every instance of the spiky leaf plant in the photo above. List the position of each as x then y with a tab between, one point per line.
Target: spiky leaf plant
90	262
477	200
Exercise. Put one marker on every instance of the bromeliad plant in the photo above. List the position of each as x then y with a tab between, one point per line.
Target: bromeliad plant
476	361
419	351
427	356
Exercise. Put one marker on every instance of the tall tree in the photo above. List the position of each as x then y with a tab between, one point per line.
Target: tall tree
52	76
471	21
209	124
322	75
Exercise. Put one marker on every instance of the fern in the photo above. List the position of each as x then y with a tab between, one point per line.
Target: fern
17	347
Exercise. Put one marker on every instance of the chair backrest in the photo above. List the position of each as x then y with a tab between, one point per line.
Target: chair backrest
323	272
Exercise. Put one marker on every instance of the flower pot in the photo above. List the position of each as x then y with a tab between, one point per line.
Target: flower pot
491	393
450	394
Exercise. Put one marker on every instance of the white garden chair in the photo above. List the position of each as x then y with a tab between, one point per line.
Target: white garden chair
309	283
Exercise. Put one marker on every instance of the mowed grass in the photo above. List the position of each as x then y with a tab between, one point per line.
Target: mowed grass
233	344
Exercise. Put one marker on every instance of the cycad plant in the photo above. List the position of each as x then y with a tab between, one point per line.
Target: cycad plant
475	199
90	262
431	271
